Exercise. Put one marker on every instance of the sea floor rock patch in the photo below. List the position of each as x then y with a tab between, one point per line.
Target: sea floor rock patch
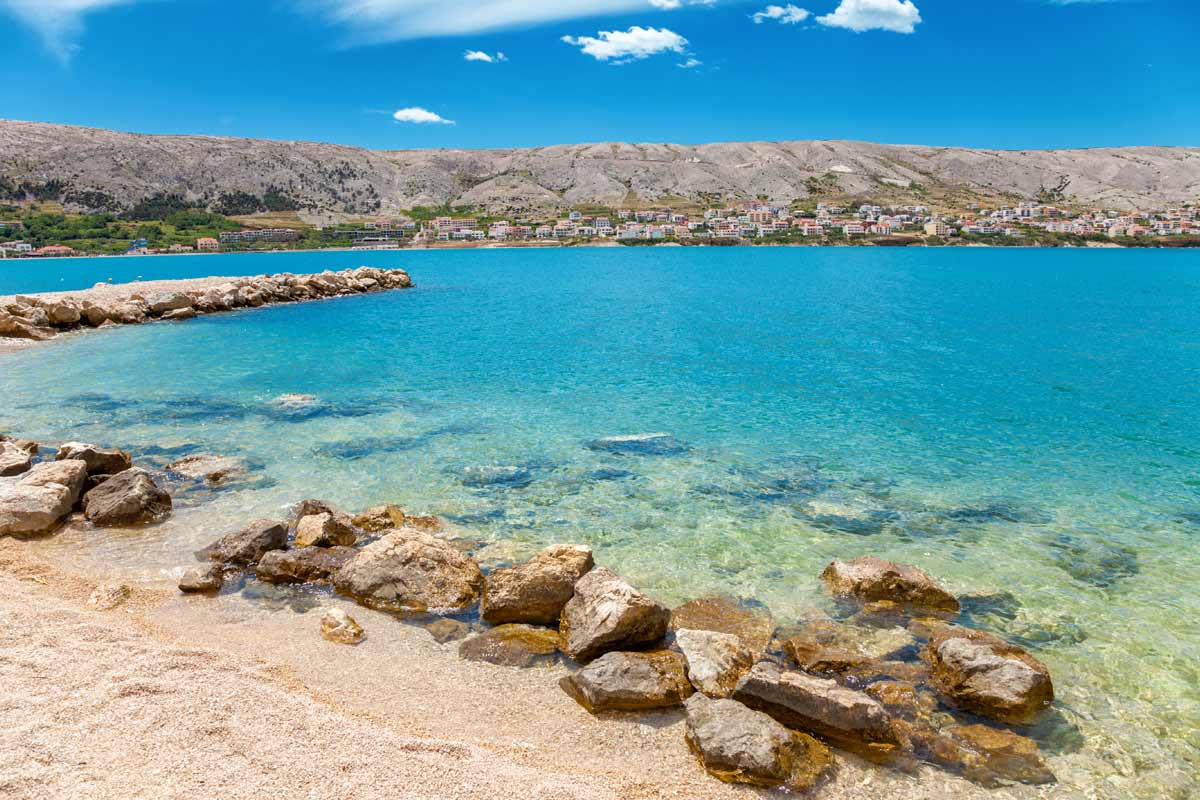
639	444
340	628
621	681
202	579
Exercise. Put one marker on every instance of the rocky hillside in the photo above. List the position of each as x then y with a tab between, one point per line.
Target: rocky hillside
90	169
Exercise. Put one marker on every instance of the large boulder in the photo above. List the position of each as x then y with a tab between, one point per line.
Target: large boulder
160	304
740	745
988	676
715	661
323	530
13	460
410	570
99	460
847	717
606	613
35	501
246	546
535	592
512	646
127	498
16	327
62	313
630	682
754	627
302	565
868	579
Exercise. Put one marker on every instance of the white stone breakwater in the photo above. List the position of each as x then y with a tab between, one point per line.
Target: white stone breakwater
893	677
42	316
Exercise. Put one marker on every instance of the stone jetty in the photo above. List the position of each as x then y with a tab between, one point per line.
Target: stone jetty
42	316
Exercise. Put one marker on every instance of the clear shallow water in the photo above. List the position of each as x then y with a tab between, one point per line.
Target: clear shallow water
1021	421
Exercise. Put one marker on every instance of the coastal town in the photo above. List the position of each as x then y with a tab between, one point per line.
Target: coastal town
754	222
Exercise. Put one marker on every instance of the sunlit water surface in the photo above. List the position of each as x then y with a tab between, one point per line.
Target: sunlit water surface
1013	421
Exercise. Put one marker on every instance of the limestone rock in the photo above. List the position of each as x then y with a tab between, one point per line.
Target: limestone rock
869	579
753	627
108	596
606	613
715	661
826	646
339	627
630	682
208	467
800	701
127	498
13	460
992	755
180	314
99	460
246	546
323	530
15	327
511	646
740	745
35	501
63	313
535	592
988	676
410	570
205	578
302	565
902	698
447	630
379	518
168	301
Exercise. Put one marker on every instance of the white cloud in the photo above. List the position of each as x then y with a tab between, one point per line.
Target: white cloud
58	23
621	47
691	63
786	15
666	5
899	16
420	116
487	58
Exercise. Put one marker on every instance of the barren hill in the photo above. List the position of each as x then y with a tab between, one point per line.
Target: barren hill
91	169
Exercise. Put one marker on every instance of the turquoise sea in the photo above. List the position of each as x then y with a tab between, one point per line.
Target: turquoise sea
1024	424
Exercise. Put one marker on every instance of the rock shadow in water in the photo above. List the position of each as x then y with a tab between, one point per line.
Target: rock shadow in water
355	449
642	444
1093	561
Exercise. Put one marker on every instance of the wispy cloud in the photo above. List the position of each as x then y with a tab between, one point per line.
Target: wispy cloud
420	116
58	23
621	47
785	15
487	58
691	63
898	16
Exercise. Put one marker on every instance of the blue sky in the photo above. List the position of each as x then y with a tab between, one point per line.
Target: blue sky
981	73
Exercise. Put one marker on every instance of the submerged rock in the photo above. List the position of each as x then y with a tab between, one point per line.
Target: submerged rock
212	469
989	756
988	676
715	661
606	613
410	570
852	719
302	565
826	646
739	745
246	546
99	460
13	460
630	682
127	498
37	500
639	444
512	646
379	518
868	579
514	477
754	627
323	530
537	591
205	578
1096	563
340	628
447	630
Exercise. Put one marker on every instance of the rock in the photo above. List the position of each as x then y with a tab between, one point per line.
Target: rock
108	596
828	646
160	304
127	498
246	546
447	630
753	627
496	475
740	745
127	313
869	579
902	698
379	518
991	756
310	507
339	627
535	592
606	613
715	661
15	327
988	676
200	579
38	499
13	460
630	682
63	313
323	530
410	570
302	565
640	444
511	646
26	445
213	469
180	314
99	460
847	717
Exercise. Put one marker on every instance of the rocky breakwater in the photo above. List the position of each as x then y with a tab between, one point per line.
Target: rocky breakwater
42	316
